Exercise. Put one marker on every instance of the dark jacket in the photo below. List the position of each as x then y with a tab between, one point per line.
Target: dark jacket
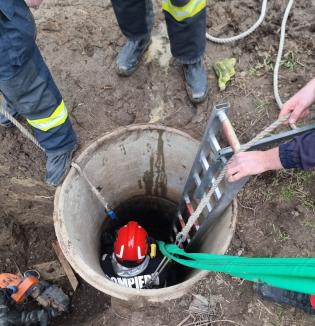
299	153
136	277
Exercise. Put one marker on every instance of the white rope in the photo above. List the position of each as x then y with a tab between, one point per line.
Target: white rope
244	34
23	130
281	43
93	189
279	55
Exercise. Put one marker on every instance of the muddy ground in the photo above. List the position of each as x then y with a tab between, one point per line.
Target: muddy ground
276	216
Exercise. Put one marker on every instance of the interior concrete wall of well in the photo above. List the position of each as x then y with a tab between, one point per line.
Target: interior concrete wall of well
143	160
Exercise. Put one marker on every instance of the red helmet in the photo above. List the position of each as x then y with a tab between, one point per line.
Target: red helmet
131	243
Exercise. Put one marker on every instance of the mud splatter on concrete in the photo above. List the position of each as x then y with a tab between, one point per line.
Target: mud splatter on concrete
148	178
155	179
123	149
160	188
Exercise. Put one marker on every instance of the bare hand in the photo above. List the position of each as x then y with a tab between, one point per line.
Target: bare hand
251	163
299	104
34	3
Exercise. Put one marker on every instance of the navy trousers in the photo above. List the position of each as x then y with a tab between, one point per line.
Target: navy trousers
26	83
185	20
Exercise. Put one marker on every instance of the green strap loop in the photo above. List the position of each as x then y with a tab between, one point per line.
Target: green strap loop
295	274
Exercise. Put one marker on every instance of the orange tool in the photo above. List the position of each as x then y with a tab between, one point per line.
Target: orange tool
21	286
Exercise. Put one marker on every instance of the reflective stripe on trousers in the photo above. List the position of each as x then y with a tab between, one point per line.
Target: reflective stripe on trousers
192	8
57	118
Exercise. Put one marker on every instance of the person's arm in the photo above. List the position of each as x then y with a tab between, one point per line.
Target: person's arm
298	153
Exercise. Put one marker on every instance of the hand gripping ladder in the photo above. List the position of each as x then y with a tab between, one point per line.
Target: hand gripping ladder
208	164
206	167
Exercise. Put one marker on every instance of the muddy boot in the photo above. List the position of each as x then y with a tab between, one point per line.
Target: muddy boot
295	299
196	81
57	167
130	55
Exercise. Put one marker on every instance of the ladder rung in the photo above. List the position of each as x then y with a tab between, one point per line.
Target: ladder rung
215	144
189	205
197	179
209	207
204	161
217	190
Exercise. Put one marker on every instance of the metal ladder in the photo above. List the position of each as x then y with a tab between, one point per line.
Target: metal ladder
209	161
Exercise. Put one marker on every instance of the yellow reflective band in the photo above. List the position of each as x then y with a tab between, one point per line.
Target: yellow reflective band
192	8
57	118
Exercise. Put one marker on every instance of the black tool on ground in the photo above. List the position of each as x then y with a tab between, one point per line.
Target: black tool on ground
11	316
16	290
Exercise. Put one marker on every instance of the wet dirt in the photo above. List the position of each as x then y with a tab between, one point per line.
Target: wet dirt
80	40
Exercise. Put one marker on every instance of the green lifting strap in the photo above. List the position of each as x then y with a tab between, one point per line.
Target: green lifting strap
295	274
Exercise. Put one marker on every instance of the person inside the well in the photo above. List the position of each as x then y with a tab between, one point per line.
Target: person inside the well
298	153
132	259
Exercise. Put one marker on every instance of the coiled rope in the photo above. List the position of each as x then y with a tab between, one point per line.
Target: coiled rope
244	34
281	43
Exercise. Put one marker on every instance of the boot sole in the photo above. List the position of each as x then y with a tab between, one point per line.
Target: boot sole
127	73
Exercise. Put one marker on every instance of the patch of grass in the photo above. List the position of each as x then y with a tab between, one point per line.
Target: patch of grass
291	61
309	224
287	193
280	312
261	104
261	68
283	236
309	204
292	187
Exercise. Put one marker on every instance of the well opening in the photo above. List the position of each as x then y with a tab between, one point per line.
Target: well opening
157	215
150	162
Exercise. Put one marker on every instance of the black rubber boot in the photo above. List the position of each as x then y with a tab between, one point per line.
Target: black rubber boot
196	81
130	55
295	299
57	167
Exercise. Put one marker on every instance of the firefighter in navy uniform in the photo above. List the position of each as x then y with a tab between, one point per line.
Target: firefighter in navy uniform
134	260
29	90
186	25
